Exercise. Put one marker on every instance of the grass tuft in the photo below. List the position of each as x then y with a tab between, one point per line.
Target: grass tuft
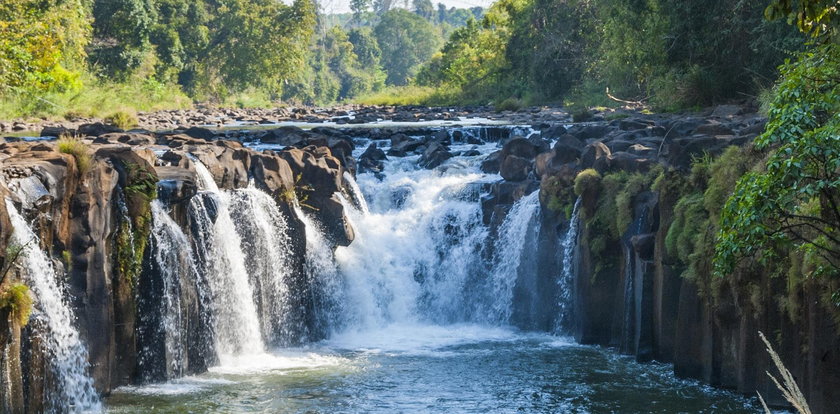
122	119
79	150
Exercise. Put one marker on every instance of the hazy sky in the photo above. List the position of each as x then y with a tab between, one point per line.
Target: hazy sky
342	6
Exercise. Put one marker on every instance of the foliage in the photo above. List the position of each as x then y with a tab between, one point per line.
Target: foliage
17	299
34	56
409	95
122	119
795	202
509	104
406	41
79	150
133	232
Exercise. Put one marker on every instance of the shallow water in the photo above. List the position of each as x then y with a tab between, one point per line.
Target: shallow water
432	369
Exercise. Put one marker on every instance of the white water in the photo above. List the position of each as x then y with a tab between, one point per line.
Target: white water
416	248
356	193
67	356
175	261
564	283
236	321
263	231
509	247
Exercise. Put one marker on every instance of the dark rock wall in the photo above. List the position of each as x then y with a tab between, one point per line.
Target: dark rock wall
660	316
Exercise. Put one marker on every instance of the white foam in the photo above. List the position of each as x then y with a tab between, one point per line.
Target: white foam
186	385
281	360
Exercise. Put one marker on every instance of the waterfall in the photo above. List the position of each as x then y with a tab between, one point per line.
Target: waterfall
264	234
68	357
174	262
356	193
509	247
415	250
324	283
567	275
235	317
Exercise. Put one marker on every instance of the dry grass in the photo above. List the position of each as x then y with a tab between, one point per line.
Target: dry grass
787	386
79	150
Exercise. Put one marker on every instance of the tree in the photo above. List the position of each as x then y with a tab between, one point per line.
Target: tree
257	43
406	41
121	30
359	8
795	202
424	9
34	56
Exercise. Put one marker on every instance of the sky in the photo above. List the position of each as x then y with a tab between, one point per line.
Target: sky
343	6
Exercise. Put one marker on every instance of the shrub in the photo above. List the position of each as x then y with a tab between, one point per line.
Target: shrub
509	104
17	300
79	150
581	114
122	119
587	180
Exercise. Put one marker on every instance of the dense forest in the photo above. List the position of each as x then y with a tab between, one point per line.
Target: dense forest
66	55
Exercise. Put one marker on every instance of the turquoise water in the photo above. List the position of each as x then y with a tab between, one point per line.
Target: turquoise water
432	369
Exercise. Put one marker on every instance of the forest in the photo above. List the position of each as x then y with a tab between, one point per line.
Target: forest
79	56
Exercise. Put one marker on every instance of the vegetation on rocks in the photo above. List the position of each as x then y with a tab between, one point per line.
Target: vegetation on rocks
79	150
17	300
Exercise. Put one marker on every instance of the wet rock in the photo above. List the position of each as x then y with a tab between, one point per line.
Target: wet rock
57	131
436	153
96	129
624	161
198	132
595	156
713	128
515	168
492	163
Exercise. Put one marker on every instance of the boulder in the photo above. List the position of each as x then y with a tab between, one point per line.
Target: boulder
595	156
96	129
515	168
198	132
713	128
520	147
56	131
492	163
624	161
436	153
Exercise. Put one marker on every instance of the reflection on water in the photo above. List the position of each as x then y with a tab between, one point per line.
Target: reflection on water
417	368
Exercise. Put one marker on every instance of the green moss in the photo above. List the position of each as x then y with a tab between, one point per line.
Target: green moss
558	195
587	181
133	234
17	300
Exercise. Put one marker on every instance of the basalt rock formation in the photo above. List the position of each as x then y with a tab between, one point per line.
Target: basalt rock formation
90	210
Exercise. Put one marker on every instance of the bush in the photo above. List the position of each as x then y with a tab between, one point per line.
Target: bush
17	300
586	181
79	150
122	119
509	104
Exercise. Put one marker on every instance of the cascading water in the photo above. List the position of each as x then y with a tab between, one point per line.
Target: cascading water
235	317
68	357
356	193
263	232
417	248
509	247
174	263
564	282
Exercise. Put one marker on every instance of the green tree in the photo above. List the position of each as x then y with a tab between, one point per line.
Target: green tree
795	202
257	43
34	56
121	30
406	41
424	8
